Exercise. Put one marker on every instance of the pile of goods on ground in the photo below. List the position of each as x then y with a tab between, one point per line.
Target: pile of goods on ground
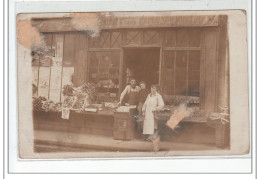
42	104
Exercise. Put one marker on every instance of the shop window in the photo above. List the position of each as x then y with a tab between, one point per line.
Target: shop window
181	69
103	70
169	57
181	75
181	61
194	73
168	72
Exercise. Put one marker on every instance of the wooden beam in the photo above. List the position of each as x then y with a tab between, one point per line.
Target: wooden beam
103	49
64	24
182	48
223	68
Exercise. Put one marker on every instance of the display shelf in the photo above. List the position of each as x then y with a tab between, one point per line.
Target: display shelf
105	73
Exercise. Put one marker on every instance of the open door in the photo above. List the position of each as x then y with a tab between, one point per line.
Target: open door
142	64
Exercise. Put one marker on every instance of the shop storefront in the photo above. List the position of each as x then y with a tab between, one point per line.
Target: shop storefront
186	55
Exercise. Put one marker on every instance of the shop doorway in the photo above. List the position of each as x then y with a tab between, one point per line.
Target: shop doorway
142	64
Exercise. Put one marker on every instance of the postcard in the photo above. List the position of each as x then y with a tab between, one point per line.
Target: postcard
132	84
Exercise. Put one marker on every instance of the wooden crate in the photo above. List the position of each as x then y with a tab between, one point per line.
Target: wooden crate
124	125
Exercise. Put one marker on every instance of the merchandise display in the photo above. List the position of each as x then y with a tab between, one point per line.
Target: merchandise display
42	104
104	71
79	99
67	90
38	103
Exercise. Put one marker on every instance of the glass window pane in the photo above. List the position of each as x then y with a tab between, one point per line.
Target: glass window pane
169	57
104	72
194	88
93	75
194	75
181	59
168	72
181	82
104	59
93	67
194	59
181	76
115	59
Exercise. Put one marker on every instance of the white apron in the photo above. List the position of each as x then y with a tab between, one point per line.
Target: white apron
151	104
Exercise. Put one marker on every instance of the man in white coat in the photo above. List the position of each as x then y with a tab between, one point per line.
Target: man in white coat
154	102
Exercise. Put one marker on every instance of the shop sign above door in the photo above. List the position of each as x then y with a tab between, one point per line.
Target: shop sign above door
111	22
157	21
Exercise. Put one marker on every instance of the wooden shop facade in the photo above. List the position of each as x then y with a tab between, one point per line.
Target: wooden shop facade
185	55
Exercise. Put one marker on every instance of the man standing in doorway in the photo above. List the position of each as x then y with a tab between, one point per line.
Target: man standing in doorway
130	94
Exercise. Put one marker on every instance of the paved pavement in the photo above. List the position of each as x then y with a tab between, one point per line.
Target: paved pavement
49	141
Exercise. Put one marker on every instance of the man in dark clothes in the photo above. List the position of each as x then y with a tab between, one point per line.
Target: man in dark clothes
143	93
131	92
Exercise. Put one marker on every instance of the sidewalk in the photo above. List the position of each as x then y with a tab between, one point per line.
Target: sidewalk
49	141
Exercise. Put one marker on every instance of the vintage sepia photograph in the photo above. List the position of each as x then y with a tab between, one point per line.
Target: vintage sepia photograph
127	84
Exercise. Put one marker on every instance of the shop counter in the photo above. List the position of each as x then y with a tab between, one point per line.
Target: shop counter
119	125
221	128
108	122
100	123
